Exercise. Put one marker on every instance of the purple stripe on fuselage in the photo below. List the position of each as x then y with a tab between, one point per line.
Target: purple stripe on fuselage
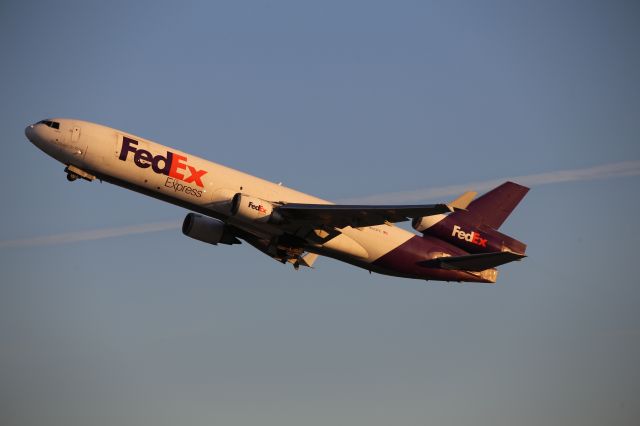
404	260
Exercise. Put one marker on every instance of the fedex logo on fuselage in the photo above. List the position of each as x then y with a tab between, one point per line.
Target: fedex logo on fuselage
473	237
172	165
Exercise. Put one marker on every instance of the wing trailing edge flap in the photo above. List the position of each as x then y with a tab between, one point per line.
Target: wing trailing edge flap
338	216
473	262
306	260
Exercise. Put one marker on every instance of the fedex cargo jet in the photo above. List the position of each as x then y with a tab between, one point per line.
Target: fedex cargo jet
458	241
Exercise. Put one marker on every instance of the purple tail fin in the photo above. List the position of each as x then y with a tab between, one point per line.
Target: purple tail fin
493	208
475	229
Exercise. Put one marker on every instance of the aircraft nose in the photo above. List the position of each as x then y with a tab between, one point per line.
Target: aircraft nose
28	131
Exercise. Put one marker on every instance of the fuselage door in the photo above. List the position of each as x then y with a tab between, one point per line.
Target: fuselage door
79	148
75	134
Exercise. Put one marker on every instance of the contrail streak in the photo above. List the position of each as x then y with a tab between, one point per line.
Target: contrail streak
93	234
604	171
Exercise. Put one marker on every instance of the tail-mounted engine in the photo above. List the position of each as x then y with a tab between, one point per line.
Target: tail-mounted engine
474	227
207	230
469	236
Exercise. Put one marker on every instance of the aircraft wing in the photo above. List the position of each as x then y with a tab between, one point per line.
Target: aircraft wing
339	216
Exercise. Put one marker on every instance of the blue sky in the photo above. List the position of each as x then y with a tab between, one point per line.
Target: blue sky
343	100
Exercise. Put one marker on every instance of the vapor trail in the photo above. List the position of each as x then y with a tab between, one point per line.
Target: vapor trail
93	234
604	171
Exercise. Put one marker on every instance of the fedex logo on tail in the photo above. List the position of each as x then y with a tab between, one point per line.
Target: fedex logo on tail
173	165
472	237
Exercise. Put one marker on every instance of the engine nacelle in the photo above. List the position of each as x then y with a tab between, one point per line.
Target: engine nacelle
468	234
207	230
421	224
252	209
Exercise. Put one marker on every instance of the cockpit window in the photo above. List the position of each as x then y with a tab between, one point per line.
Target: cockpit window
48	123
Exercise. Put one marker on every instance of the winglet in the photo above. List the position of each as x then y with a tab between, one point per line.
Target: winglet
462	201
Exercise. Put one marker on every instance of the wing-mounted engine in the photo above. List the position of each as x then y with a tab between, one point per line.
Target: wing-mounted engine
252	209
207	230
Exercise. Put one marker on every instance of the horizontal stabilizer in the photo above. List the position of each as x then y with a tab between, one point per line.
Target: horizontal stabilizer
473	262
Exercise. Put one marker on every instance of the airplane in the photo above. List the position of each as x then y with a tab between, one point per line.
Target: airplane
457	241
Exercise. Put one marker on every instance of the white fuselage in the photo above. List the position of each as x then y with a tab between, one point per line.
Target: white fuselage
194	183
